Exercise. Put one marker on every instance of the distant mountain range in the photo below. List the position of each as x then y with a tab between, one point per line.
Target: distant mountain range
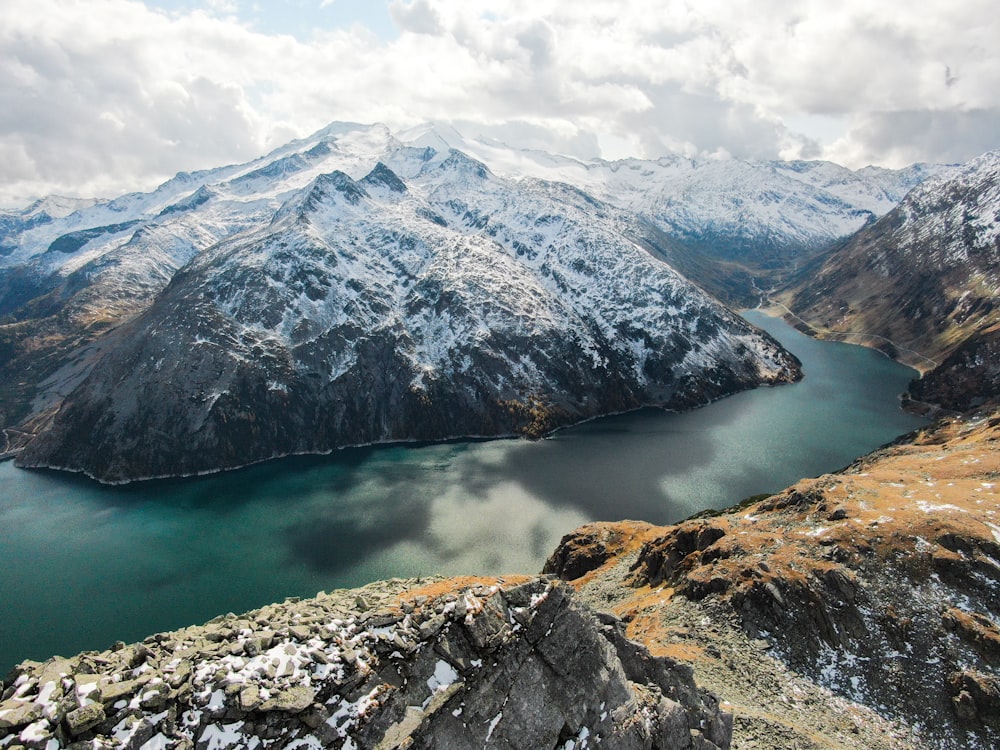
734	227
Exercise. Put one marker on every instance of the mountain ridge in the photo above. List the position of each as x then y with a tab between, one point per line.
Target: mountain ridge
428	299
761	219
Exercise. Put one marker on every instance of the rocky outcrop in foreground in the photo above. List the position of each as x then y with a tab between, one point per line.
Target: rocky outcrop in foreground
440	664
880	583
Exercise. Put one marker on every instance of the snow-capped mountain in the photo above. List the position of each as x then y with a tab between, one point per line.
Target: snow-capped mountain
923	280
350	289
765	216
65	281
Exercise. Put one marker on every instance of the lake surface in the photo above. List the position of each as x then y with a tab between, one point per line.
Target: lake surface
82	566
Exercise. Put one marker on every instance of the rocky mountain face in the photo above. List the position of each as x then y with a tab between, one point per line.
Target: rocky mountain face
70	276
880	583
434	664
290	307
734	227
921	284
966	378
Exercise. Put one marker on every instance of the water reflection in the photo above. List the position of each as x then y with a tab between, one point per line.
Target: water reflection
335	541
605	470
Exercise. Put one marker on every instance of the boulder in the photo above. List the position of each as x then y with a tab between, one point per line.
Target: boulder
84	718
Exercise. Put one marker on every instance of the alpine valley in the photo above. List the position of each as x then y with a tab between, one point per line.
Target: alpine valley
361	287
355	288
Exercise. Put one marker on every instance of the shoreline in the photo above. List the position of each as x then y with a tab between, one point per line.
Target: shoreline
779	310
414	442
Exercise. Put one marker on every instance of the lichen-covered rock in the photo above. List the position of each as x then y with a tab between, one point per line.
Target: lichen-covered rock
439	664
589	548
14	714
81	719
976	697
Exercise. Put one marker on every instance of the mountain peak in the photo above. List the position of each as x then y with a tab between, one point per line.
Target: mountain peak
58	206
459	161
328	188
384	177
437	135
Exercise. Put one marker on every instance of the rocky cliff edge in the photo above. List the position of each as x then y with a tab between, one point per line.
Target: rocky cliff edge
455	663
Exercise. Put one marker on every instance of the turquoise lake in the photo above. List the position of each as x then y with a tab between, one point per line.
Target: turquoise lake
85	565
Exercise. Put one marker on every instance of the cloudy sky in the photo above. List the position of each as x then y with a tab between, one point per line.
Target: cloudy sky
102	96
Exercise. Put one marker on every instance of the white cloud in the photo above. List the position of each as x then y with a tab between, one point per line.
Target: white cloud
417	16
101	96
906	136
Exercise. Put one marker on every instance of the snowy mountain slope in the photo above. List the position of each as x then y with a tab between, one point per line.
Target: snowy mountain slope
925	278
88	229
782	203
757	213
70	271
759	218
68	279
427	299
44	211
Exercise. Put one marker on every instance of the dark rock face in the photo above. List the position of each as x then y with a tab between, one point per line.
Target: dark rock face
438	666
578	554
976	698
968	378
